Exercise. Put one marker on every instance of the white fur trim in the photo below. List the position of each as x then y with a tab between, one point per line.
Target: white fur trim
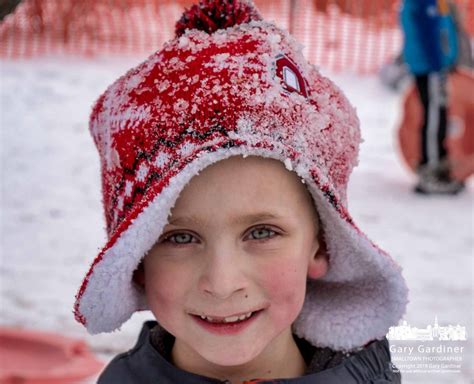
362	295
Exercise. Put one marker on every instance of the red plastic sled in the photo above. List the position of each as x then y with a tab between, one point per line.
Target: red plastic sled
460	140
31	357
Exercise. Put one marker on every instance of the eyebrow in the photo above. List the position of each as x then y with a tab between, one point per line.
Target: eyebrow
239	219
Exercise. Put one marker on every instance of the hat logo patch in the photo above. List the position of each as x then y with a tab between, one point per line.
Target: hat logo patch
290	76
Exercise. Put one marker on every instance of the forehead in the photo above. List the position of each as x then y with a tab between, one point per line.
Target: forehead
240	185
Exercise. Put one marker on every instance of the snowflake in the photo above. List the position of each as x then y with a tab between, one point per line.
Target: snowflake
142	172
128	188
161	159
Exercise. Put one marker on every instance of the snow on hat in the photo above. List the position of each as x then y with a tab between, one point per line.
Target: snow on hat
232	84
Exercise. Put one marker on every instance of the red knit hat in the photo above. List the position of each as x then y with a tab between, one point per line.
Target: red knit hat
209	94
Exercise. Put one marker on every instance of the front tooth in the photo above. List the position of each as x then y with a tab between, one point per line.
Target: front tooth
243	317
231	319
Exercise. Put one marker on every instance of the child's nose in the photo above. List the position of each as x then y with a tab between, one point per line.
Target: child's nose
223	274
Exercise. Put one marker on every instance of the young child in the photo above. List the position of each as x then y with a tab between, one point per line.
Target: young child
225	160
430	51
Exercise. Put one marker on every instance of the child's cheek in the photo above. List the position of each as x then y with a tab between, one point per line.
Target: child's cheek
163	289
285	286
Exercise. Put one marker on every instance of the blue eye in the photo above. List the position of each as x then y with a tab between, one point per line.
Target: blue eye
181	238
262	234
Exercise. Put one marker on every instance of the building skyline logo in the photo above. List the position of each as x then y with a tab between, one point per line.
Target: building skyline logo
405	331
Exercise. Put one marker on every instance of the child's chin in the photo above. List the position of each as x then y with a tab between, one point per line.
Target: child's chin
231	356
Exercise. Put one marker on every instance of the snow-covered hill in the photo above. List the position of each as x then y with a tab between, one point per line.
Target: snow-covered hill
52	226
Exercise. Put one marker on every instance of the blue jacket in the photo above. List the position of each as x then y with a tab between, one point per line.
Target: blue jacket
148	363
430	36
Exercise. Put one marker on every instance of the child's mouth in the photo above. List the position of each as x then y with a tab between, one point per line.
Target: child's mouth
226	325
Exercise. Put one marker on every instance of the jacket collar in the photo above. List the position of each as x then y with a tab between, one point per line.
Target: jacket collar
358	367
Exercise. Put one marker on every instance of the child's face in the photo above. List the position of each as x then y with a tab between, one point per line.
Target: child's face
241	239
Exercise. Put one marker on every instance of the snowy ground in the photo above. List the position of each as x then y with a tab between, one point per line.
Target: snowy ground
52	227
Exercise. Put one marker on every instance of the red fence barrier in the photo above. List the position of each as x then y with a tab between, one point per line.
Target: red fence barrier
351	35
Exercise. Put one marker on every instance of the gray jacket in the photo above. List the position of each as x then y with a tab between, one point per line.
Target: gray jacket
148	362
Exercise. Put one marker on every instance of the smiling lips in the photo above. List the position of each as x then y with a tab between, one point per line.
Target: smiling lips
230	319
226	325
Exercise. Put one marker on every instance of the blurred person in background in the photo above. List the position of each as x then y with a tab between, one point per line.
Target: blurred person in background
430	51
394	74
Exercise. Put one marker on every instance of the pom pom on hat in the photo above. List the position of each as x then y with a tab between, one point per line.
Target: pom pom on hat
211	15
